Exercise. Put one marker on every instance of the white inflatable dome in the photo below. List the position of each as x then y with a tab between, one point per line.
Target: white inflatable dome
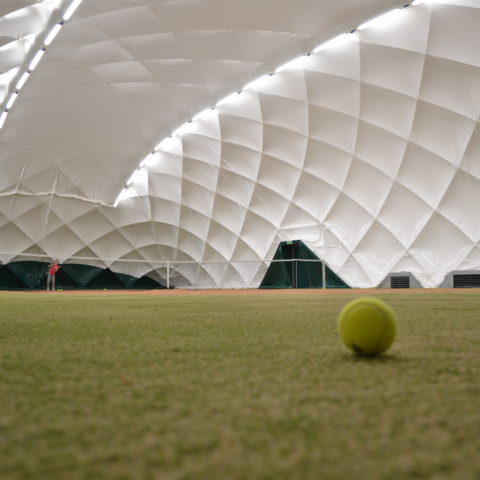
144	135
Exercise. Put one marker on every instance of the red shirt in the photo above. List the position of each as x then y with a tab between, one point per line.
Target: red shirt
53	269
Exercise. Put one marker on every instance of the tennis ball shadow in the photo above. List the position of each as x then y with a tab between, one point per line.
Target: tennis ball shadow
383	359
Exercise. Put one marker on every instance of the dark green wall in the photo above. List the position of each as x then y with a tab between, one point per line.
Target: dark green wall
33	276
298	273
29	275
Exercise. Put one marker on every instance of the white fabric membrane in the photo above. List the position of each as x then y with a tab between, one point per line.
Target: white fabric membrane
368	151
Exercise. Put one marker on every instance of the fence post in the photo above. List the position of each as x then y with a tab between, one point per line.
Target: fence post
296	273
324	276
168	275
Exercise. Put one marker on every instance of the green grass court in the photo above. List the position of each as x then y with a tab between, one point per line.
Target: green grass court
235	386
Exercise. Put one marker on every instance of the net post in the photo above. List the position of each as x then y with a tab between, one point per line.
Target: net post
168	275
324	277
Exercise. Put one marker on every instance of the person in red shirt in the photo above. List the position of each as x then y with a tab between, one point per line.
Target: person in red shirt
52	270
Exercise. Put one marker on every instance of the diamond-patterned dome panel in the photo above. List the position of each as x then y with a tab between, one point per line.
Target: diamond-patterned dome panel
297	218
386	109
442	132
292	154
341	61
367	185
336	129
262	200
452	85
378	252
389	148
235	188
456	205
195	222
444	39
417	22
221	242
439	258
314	195
229	213
241	132
332	92
327	162
348	220
425	174
471	261
393	69
404	214
285	112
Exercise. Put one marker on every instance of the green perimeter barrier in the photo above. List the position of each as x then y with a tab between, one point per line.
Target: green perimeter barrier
292	267
30	275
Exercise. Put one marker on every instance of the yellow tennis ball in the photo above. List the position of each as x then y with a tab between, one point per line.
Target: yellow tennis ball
367	326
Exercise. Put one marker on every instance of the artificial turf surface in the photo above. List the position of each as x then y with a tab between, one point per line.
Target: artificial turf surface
235	387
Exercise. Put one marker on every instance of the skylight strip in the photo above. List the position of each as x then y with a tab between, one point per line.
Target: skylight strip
229	98
132	177
381	20
335	42
146	160
38	56
298	62
11	100
3	117
258	81
36	59
120	196
22	80
53	33
71	9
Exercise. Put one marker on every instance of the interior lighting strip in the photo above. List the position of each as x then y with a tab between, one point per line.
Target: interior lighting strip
36	59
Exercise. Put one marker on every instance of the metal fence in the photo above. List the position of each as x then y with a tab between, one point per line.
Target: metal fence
29	271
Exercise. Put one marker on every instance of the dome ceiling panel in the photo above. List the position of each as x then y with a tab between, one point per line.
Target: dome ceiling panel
392	69
425	174
332	92
378	251
443	132
444	39
314	195
388	110
392	33
327	162
452	85
404	214
456	204
389	148
229	213
236	188
248	132
348	220
358	185
439	258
